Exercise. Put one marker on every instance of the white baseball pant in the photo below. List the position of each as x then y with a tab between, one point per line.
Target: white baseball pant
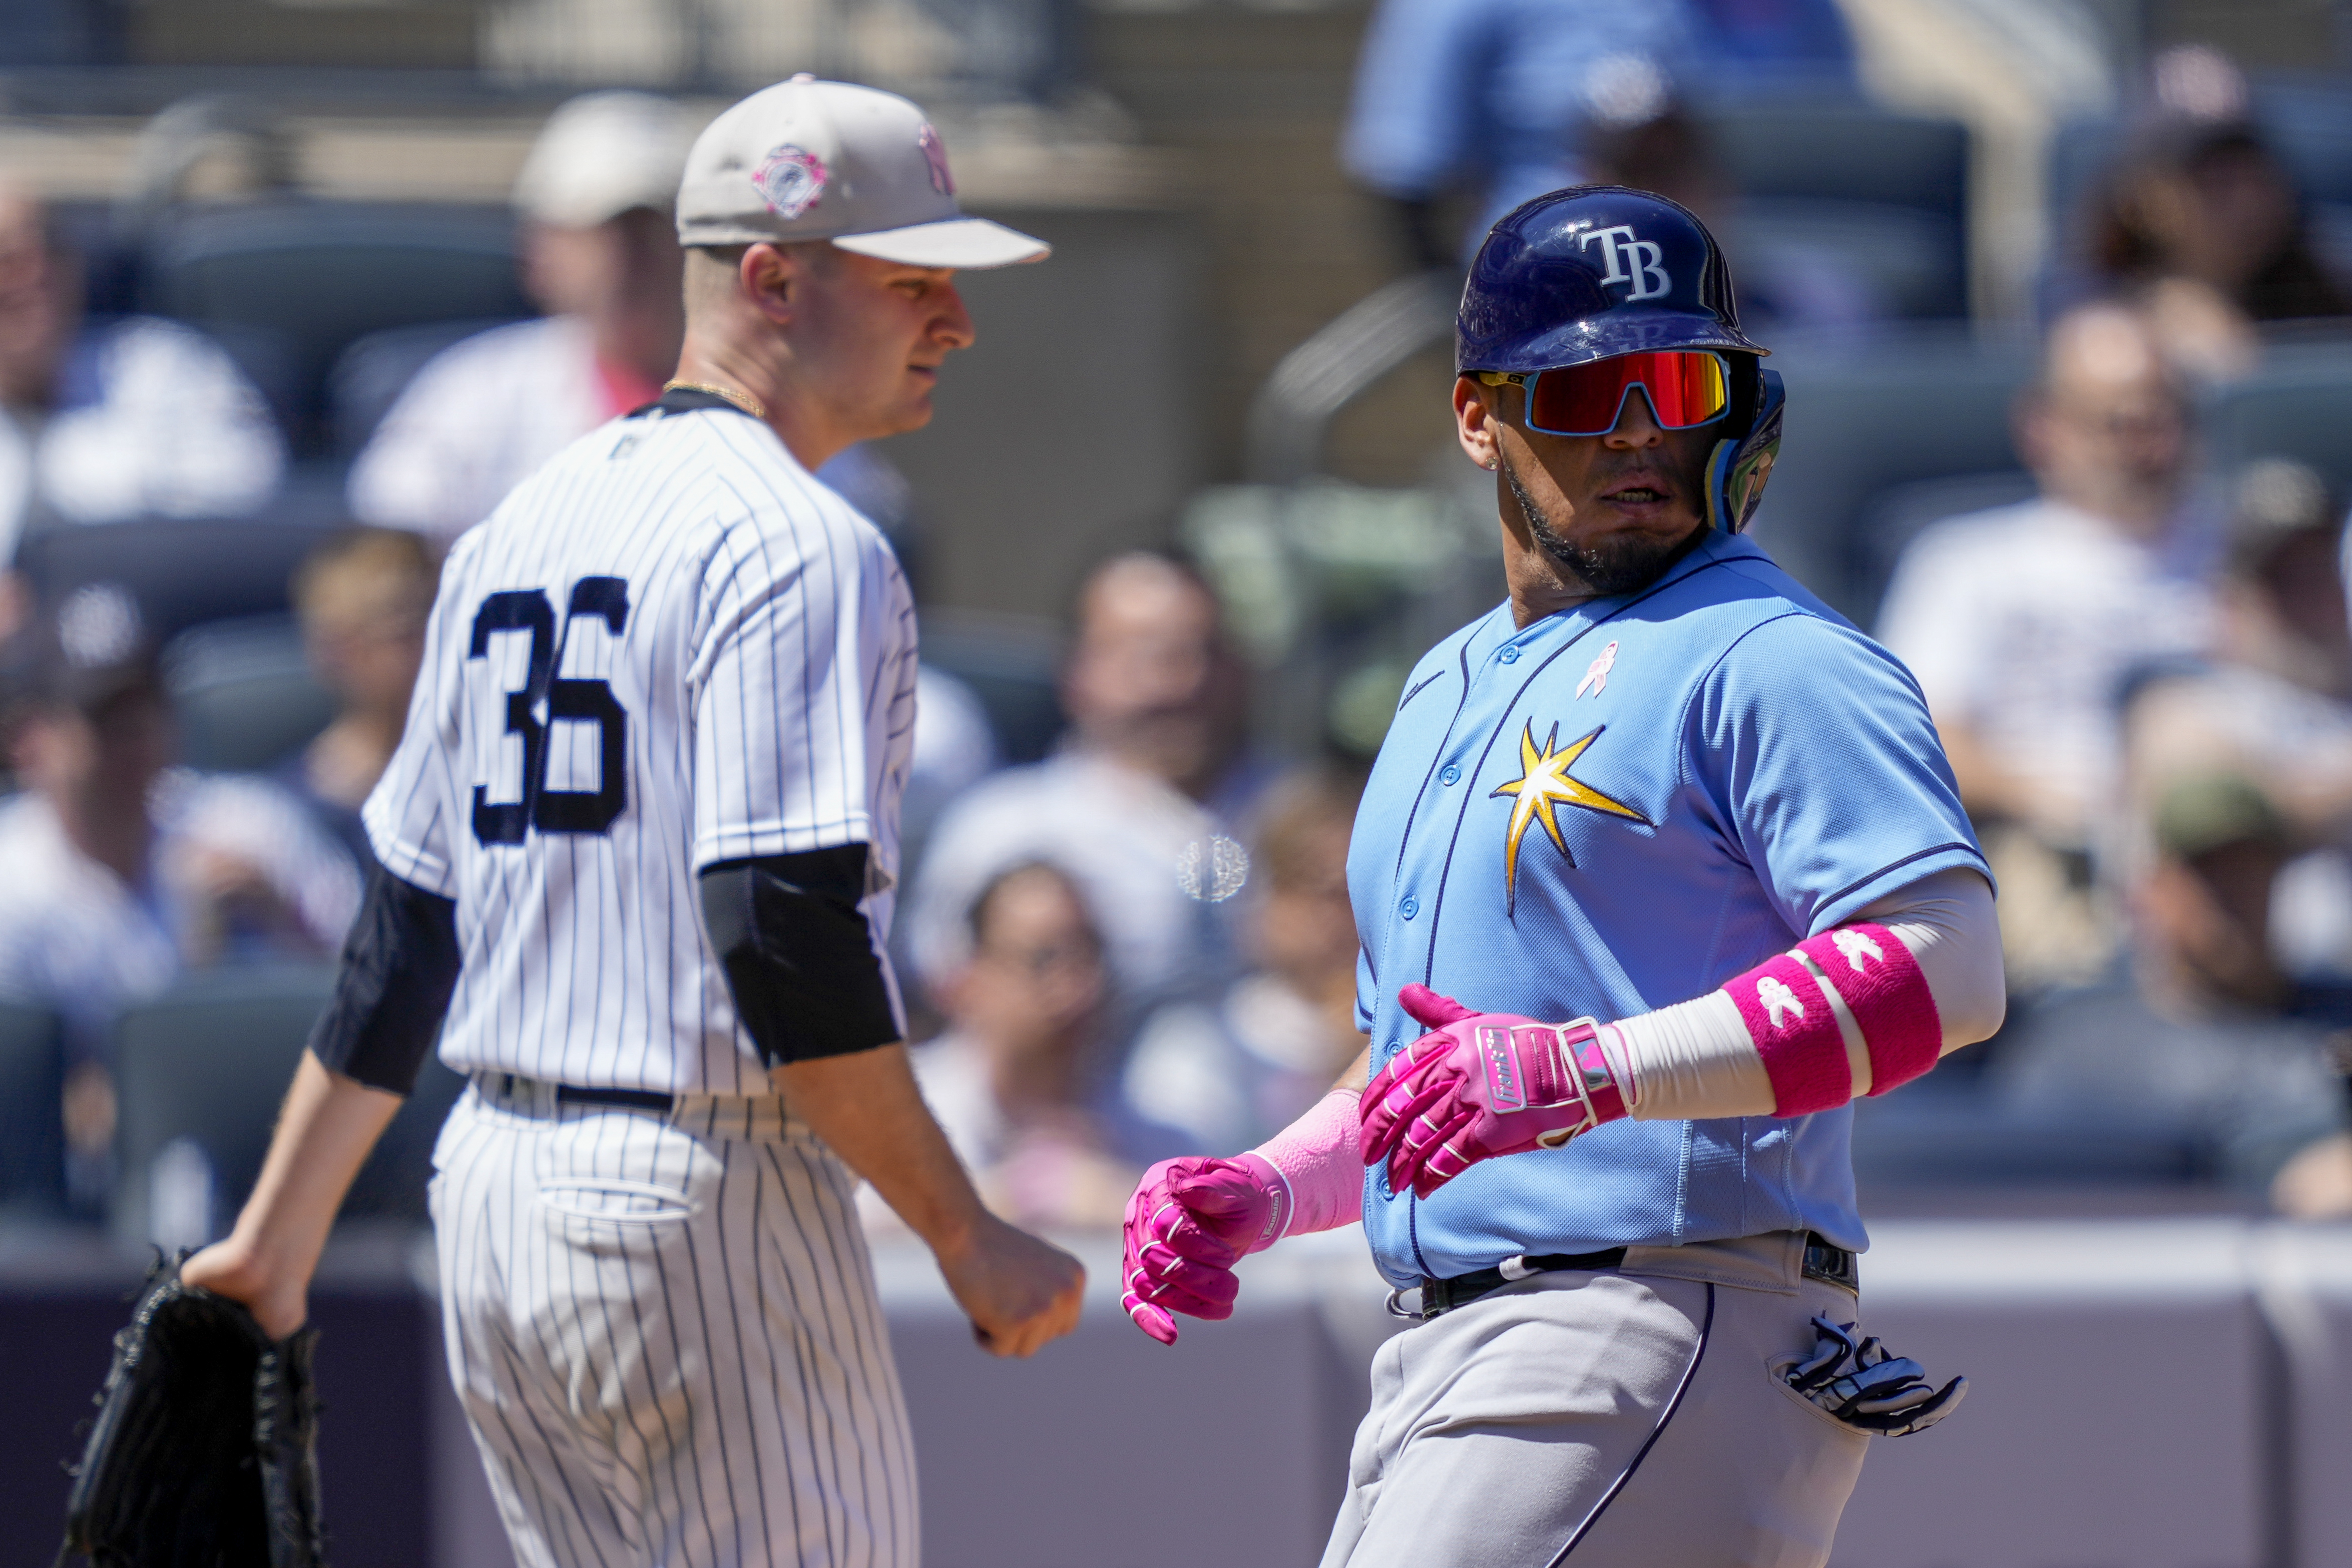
665	1333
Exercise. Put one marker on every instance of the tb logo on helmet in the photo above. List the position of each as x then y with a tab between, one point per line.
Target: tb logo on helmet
1620	245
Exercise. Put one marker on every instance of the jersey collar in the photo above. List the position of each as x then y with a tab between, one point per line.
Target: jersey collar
688	400
1712	547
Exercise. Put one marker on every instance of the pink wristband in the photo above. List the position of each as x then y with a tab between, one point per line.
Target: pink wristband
1318	1169
1796	1033
1886	991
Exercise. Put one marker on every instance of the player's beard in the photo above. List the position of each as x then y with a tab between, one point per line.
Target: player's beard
1614	565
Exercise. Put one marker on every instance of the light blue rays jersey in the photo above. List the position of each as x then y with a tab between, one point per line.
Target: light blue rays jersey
1618	809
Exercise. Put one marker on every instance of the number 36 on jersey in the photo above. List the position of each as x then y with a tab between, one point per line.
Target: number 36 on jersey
563	767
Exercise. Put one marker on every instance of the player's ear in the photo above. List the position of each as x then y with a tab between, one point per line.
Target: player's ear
769	275
1474	418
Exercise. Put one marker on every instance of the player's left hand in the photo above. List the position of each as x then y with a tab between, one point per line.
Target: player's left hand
1478	1086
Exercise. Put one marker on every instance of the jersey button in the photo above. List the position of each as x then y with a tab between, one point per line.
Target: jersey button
1450	775
1410	907
1510	655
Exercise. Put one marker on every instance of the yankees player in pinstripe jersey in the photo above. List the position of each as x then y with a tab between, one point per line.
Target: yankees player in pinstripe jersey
673	673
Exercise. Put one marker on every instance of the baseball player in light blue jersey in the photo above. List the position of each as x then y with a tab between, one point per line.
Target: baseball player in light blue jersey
638	845
1660	866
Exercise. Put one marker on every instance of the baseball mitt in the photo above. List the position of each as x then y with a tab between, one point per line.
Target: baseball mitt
203	1452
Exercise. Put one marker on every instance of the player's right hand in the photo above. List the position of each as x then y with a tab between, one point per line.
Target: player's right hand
1189	1221
1019	1291
228	1269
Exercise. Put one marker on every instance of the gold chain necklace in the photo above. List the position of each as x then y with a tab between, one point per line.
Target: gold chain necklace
741	400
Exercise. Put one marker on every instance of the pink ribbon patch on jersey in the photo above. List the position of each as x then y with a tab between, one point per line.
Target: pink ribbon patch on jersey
1886	991
1796	1032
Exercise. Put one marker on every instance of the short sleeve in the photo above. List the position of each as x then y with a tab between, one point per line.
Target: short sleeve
1417	104
417	471
413	808
1815	747
1368	992
171	428
1932	622
801	688
262	825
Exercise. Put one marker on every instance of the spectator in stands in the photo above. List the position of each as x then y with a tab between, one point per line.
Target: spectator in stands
2199	224
2204	1030
1232	1071
362	598
601	257
1637	132
121	871
2021	624
1491	94
102	421
1018	1080
2274	702
1146	785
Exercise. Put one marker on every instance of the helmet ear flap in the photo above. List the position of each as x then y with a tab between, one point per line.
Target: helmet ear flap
1742	460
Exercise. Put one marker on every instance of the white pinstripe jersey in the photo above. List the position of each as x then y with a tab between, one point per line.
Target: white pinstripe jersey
668	648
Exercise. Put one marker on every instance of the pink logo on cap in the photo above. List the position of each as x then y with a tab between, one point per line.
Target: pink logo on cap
935	154
791	180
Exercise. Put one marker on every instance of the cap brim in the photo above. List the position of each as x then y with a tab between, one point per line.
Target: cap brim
951	242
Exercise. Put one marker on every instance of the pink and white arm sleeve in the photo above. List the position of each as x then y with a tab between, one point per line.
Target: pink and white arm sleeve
1314	1168
1856	1010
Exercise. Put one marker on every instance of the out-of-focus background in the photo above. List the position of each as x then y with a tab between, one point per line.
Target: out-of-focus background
292	290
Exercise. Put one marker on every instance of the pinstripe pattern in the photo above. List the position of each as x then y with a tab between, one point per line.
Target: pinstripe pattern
767	669
666	1335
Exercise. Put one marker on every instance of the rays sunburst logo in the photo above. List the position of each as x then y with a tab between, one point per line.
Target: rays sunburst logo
1544	785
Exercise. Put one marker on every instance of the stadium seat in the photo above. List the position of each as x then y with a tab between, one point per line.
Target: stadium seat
32	1129
290	284
1924	1138
208	1062
182	571
243	693
2299	405
1012	666
1886	193
369	377
1920	405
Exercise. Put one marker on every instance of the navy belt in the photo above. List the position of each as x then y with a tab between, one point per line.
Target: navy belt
653	1099
1824	1260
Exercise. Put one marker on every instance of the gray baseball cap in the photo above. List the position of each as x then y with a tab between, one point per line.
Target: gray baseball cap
600	156
809	159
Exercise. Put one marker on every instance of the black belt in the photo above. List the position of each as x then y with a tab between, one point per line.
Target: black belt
1824	1260
653	1099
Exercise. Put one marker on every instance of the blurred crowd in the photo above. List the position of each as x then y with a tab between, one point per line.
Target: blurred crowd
2145	687
1139	944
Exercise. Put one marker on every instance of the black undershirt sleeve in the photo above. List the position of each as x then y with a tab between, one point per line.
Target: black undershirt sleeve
399	964
798	954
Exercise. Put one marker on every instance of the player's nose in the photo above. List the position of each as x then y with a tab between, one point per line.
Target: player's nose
951	328
1637	424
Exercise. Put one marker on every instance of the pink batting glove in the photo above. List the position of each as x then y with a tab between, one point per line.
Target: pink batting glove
1189	1221
1482	1085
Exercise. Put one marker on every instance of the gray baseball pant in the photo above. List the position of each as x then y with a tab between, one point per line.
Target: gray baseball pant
1629	1418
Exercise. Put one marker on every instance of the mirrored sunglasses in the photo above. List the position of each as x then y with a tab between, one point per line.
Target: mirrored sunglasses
1687	387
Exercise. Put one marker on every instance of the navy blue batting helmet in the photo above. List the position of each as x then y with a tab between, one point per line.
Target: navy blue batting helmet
1595	271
